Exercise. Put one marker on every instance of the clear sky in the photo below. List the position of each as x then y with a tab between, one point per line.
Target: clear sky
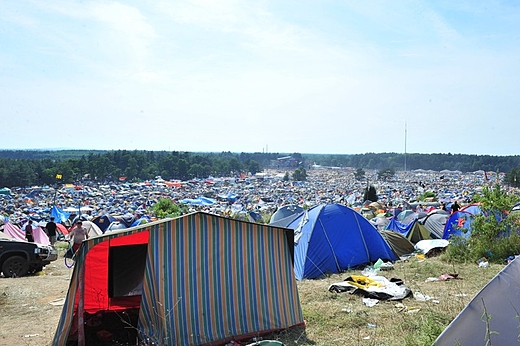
324	76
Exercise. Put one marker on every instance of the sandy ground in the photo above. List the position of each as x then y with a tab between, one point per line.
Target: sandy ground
30	307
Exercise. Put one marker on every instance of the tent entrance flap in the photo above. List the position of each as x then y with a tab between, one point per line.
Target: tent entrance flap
126	270
107	284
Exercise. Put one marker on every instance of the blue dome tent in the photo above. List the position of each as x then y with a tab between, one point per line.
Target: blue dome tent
331	238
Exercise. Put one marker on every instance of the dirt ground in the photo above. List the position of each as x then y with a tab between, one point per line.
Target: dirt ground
30	307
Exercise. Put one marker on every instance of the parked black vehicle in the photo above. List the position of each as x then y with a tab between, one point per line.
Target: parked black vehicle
20	258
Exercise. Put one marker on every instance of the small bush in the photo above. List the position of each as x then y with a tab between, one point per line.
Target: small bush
501	248
494	234
457	251
427	194
166	208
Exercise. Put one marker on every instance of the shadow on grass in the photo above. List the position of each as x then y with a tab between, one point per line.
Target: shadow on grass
291	337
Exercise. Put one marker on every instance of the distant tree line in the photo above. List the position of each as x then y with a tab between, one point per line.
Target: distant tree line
39	167
34	168
436	162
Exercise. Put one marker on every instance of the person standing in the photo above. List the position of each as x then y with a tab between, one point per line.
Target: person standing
29	232
455	207
51	231
78	234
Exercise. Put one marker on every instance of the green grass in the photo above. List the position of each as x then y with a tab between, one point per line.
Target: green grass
61	245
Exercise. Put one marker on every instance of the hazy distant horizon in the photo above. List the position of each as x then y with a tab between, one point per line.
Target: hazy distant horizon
237	152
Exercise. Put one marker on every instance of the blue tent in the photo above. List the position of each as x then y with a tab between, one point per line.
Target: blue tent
141	221
331	238
103	221
458	224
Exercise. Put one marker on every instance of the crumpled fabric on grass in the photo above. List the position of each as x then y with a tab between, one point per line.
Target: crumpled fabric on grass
376	287
447	276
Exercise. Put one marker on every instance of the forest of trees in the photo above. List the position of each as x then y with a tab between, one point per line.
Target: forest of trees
39	167
27	170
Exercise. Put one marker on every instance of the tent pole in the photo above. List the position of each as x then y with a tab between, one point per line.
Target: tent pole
81	311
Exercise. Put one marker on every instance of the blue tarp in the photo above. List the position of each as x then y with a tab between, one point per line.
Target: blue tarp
59	215
230	197
399	227
198	201
331	238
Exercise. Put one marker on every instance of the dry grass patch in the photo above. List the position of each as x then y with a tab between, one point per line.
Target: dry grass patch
343	319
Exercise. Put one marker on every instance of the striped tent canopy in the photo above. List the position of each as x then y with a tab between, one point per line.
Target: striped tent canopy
198	279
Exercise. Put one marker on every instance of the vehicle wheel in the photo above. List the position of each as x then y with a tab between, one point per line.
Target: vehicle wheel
15	266
37	269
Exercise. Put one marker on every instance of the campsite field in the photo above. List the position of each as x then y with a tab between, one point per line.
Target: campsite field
30	306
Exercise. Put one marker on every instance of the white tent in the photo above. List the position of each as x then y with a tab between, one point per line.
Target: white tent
92	228
83	209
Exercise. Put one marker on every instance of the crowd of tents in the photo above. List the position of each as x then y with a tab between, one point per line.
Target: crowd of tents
191	267
171	277
329	238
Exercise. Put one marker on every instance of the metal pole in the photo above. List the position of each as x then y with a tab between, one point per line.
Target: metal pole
81	306
405	132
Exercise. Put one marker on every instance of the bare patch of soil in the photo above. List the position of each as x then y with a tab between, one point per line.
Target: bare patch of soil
30	307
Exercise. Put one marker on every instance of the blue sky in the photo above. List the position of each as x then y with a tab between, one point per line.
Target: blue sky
331	77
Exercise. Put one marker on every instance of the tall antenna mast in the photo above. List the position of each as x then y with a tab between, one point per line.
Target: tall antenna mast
405	146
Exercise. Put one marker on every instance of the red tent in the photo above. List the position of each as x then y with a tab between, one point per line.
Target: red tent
61	228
